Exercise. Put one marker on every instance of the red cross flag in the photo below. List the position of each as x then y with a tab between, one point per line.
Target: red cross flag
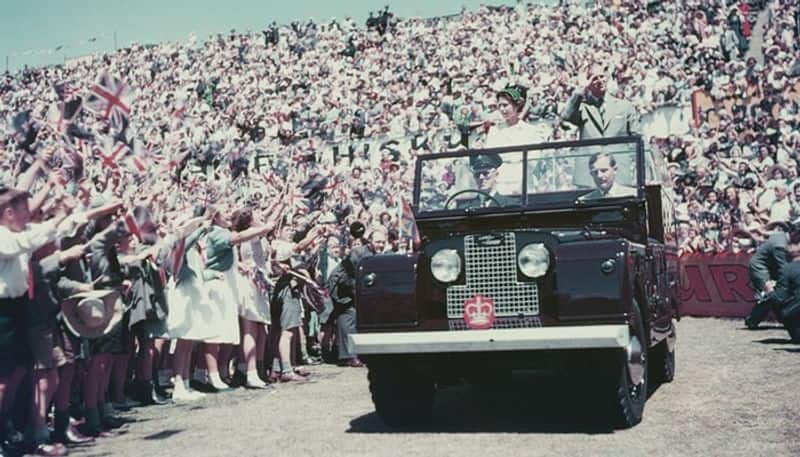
111	157
142	158
61	114
133	225
110	98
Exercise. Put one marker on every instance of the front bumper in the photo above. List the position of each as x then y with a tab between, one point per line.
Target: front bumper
516	339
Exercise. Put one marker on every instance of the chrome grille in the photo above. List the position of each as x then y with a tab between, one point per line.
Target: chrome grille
503	322
491	270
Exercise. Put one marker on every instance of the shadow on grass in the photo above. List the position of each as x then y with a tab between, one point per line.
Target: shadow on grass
795	350
774	341
162	435
522	405
762	327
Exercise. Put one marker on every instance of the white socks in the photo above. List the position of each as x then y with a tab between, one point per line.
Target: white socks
183	391
216	381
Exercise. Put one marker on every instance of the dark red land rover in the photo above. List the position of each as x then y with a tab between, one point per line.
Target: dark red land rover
559	256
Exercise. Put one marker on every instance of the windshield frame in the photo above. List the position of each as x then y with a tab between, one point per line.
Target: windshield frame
525	205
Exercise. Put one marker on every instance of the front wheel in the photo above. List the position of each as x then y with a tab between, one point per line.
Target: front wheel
629	384
662	363
402	397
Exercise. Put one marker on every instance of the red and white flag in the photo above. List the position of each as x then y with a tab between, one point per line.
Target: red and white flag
142	159
132	225
110	98
408	223
61	114
177	256
113	154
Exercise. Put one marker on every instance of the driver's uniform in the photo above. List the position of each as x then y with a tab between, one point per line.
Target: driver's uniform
482	201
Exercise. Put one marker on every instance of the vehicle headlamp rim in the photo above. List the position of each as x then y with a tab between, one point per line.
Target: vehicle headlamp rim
541	256
449	255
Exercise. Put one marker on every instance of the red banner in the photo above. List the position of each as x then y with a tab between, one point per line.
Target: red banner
715	285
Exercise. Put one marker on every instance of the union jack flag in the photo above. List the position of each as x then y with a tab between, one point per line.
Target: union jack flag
143	157
133	225
72	160
62	114
408	223
65	90
111	156
110	98
298	201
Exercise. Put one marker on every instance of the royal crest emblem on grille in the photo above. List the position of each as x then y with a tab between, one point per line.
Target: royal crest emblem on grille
479	312
491	271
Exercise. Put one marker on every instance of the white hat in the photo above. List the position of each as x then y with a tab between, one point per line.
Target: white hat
283	250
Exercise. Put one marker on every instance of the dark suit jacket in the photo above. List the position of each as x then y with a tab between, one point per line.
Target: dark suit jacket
787	291
104	263
481	200
50	287
768	260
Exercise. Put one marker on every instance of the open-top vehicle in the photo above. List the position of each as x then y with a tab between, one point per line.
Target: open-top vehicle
558	255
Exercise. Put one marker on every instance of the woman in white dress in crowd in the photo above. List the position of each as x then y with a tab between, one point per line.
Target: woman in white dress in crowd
221	275
191	315
515	131
254	314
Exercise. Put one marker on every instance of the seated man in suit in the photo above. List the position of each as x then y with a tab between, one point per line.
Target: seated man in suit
485	170
603	168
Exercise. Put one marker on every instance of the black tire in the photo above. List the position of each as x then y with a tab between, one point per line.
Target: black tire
627	398
490	378
401	396
662	364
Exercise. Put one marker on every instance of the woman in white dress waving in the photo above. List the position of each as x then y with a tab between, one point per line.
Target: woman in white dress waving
515	131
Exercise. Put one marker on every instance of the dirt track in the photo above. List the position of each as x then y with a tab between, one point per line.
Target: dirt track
736	392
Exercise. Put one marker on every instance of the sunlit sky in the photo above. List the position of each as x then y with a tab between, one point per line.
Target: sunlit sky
32	30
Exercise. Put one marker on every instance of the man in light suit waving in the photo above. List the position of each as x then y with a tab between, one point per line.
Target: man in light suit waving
599	115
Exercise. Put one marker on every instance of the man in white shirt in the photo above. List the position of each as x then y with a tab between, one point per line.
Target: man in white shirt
781	207
603	168
18	240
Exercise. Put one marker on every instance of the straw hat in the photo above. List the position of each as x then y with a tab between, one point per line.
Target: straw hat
92	314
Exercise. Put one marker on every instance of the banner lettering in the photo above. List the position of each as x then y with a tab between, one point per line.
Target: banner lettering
715	285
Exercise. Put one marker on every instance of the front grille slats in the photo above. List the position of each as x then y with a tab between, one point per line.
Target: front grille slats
491	270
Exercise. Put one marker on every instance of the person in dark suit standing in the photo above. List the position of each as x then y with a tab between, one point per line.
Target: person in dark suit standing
342	285
787	295
765	267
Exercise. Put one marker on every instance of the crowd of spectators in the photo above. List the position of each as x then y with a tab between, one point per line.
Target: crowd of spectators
240	125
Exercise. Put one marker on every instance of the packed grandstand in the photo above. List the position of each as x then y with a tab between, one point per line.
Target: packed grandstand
363	101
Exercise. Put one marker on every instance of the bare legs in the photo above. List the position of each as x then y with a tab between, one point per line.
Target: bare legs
211	354
45	383
180	364
250	332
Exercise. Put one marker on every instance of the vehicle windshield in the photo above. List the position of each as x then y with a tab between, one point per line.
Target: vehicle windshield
559	175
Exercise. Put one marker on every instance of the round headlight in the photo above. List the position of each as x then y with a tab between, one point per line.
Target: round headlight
533	260
446	265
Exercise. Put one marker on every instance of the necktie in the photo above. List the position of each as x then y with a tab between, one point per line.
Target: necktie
30	280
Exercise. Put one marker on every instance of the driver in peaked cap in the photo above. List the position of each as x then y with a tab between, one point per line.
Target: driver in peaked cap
485	170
